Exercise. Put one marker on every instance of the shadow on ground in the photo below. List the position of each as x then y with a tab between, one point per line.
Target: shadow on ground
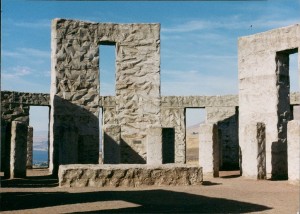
150	201
30	182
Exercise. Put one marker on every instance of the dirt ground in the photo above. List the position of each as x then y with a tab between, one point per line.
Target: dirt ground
39	193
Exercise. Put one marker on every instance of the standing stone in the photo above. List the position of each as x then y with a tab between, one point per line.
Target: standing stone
75	87
261	151
256	166
18	151
294	150
29	147
264	94
175	117
227	120
209	149
154	146
111	144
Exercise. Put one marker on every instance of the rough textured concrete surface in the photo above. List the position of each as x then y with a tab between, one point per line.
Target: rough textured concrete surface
111	144
294	150
128	175
29	147
261	151
18	150
264	92
227	120
175	117
254	149
154	146
209	149
75	85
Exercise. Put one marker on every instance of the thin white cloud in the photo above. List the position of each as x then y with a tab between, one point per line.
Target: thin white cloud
16	72
27	52
230	23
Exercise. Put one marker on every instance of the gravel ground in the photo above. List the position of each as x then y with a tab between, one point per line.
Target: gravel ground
39	193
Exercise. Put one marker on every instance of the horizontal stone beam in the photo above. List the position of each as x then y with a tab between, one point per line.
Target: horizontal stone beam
128	175
43	99
38	99
199	101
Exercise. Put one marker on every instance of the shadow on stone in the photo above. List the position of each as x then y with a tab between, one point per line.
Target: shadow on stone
147	201
129	156
279	161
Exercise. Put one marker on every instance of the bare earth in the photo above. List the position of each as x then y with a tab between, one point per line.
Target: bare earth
39	193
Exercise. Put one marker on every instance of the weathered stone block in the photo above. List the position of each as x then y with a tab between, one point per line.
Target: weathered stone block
253	153
154	146
129	175
293	140
227	120
209	149
29	147
111	144
264	93
18	150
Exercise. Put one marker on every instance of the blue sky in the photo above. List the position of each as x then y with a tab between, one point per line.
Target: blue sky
198	40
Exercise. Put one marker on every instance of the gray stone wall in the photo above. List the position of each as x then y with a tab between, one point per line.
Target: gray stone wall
293	151
25	98
18	149
209	149
29	147
220	109
227	120
263	91
129	175
75	85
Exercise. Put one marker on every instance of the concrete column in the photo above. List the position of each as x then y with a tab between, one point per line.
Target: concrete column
18	151
29	147
209	149
253	153
293	140
111	144
154	145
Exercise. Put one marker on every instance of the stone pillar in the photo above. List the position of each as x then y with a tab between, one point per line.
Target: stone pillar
254	153
209	149
18	149
227	120
111	144
293	140
29	147
175	117
154	146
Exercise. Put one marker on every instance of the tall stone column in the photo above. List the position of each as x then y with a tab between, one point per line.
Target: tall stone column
154	146
18	150
293	140
209	149
29	147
